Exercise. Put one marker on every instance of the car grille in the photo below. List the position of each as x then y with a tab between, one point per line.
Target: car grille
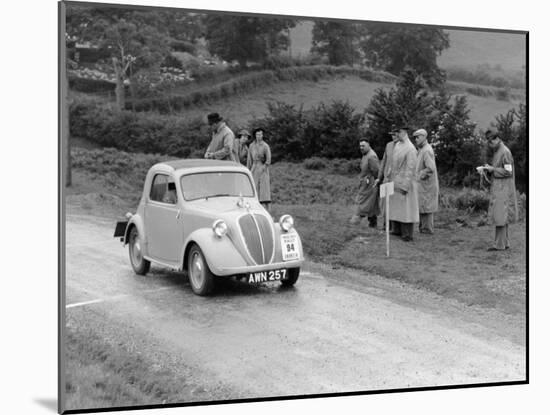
258	237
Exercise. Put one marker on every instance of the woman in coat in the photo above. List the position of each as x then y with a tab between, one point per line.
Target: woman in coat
258	162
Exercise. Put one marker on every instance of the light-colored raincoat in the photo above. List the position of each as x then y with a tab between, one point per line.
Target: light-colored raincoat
222	144
428	183
404	201
503	207
258	162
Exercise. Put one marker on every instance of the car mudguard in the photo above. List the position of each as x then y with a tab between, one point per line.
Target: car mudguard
218	252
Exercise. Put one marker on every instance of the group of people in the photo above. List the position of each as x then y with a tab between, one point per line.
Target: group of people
415	199
256	155
412	169
414	177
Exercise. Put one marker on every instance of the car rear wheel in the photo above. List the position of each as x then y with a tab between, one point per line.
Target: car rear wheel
200	276
293	274
139	263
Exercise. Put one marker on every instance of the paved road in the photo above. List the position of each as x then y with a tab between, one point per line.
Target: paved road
246	341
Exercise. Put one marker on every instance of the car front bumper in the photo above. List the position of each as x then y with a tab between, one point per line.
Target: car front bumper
230	271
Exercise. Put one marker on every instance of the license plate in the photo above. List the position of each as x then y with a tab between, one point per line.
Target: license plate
289	247
266	276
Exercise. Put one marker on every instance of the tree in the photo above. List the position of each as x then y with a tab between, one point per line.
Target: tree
409	102
132	38
512	128
337	40
394	48
458	150
244	38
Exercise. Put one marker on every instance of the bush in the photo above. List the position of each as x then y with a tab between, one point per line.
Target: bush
503	94
326	131
315	163
472	200
183	46
127	131
90	85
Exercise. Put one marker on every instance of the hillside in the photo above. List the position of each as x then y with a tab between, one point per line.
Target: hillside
243	108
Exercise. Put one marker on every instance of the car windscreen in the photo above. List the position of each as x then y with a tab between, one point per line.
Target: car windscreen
216	184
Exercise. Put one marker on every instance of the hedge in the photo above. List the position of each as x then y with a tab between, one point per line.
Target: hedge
251	81
147	133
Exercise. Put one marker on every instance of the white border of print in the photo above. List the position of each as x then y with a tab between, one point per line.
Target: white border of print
29	306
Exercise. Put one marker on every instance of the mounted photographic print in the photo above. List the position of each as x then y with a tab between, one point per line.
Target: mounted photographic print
258	207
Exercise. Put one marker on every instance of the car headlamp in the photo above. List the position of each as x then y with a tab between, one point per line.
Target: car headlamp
286	222
219	227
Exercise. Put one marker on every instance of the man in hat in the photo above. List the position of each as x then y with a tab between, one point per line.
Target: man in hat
404	201
241	148
367	196
503	202
221	146
384	171
428	183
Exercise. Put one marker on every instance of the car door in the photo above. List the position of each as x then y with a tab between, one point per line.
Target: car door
163	223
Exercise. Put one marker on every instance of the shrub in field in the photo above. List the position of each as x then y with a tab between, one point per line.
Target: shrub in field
472	200
284	126
334	130
90	85
329	131
151	133
315	163
457	148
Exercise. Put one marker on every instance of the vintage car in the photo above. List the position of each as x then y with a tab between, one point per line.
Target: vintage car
204	216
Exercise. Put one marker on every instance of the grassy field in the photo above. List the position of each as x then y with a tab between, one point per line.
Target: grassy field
453	262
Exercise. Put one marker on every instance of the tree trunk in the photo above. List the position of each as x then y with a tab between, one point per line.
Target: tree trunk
119	89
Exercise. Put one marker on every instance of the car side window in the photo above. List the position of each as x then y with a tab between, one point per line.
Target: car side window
163	189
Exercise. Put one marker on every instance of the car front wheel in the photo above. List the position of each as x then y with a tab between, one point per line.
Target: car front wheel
293	274
200	276
139	263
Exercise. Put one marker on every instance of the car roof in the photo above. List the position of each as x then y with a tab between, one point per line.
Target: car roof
185	164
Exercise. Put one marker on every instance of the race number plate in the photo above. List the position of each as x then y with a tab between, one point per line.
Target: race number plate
289	247
266	276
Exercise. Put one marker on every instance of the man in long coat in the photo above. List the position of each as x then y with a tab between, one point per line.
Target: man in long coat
385	168
367	196
404	201
428	183
221	146
503	201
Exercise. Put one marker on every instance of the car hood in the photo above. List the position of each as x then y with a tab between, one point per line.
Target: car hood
225	207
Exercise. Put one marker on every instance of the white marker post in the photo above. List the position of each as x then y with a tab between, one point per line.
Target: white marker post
386	190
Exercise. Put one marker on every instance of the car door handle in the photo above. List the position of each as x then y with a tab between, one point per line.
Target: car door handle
178	214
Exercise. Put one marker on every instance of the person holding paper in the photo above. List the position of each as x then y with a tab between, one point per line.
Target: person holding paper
404	202
428	184
503	200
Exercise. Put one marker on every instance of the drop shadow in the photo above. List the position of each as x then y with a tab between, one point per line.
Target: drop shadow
48	403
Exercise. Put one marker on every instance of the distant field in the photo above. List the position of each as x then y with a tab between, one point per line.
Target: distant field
240	110
469	49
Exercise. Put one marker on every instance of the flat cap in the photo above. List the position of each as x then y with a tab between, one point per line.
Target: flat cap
420	131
